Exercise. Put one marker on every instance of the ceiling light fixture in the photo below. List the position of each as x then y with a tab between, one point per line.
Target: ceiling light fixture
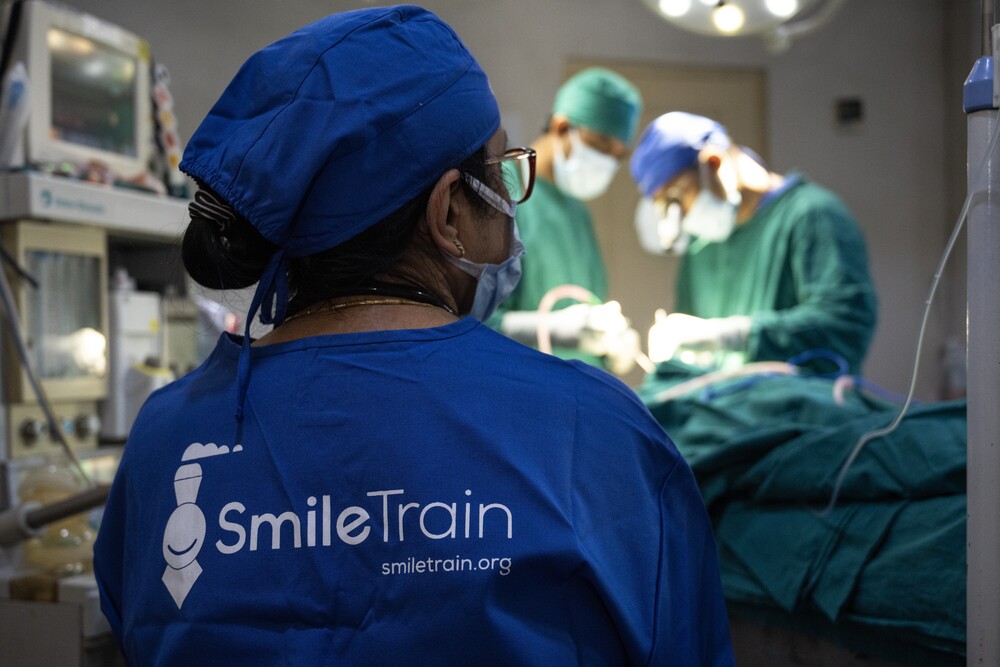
778	21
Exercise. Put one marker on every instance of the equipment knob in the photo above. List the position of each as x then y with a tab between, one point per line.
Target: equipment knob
87	425
32	430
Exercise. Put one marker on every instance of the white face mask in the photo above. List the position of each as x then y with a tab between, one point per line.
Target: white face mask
496	281
712	219
659	227
586	173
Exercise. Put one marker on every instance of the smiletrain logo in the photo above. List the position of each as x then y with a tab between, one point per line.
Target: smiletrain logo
185	532
319	521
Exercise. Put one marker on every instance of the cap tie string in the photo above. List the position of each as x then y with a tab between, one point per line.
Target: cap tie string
271	292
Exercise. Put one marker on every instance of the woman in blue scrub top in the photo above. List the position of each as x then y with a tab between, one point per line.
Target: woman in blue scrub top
382	479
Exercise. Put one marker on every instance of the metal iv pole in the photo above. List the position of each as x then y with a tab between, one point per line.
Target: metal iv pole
981	101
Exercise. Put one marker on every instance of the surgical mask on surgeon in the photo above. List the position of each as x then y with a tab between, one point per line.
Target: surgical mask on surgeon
712	219
658	225
586	173
496	281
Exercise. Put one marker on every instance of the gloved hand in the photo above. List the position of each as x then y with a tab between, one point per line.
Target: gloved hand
604	324
677	331
623	350
609	334
600	330
565	325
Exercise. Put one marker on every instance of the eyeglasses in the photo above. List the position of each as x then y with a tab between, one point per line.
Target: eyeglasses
497	201
673	195
518	168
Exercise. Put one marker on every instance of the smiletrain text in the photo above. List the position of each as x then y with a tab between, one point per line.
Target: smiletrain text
352	526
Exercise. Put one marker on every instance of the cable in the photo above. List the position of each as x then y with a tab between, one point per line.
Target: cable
8	259
13	28
975	176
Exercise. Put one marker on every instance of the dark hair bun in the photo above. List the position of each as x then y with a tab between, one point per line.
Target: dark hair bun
225	255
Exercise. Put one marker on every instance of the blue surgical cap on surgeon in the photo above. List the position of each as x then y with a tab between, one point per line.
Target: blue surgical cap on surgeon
327	131
669	145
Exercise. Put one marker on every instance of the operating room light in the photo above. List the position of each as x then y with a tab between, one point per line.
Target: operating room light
728	18
675	7
777	21
782	8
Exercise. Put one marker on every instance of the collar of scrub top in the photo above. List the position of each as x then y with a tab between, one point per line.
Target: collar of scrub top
790	182
326	132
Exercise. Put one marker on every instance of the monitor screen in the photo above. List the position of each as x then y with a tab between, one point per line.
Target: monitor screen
93	89
90	92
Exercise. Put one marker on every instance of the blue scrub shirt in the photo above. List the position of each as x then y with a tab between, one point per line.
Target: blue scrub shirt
434	496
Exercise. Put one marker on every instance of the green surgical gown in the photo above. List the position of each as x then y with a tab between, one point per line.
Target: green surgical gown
799	268
560	248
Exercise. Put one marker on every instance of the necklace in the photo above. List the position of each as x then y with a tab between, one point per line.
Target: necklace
397	291
329	307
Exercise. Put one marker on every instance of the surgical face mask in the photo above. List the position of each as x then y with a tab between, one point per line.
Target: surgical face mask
712	219
586	173
496	281
658	226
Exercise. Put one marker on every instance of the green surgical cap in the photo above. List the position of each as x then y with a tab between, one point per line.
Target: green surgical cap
601	100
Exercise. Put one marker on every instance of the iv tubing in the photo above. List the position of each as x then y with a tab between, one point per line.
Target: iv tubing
553	296
702	381
878	433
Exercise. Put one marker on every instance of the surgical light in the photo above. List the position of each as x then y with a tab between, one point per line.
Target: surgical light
675	8
778	21
782	8
728	19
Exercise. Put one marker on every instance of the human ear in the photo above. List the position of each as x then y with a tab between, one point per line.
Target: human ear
710	159
710	163
559	125
559	131
441	213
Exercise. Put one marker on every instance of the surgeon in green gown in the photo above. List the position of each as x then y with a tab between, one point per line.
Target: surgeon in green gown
594	121
774	266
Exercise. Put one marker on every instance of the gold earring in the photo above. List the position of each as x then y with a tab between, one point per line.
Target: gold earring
461	248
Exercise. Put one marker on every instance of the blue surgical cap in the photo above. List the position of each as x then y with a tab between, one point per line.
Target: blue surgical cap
327	131
669	145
